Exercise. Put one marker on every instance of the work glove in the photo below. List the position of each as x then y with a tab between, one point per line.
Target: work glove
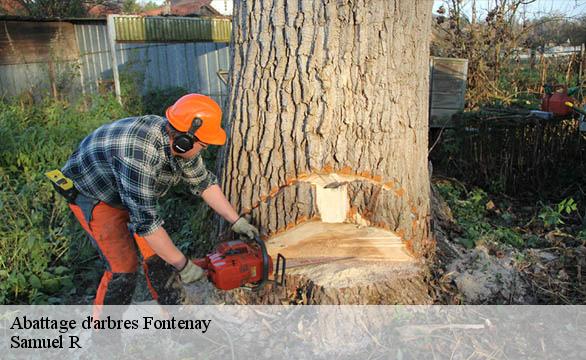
190	272
243	227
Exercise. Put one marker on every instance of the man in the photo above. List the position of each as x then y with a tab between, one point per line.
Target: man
119	172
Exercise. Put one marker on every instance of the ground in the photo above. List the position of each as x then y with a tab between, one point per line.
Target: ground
546	268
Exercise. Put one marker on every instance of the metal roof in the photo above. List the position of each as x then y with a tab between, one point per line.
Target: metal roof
48	19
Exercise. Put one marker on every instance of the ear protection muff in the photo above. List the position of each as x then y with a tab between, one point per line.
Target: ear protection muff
185	141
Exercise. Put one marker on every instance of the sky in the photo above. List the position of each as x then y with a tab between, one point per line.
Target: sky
569	8
572	8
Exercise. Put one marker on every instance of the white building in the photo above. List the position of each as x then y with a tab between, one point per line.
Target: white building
224	7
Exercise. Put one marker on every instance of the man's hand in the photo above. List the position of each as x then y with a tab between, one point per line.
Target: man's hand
190	272
242	226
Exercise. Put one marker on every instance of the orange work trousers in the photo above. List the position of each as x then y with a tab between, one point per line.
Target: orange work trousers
107	228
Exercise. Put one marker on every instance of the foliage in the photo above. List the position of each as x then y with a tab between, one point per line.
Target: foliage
150	5
582	235
71	8
503	149
556	29
132	90
503	235
553	216
470	212
135	7
493	42
36	229
131	7
157	101
132	80
51	8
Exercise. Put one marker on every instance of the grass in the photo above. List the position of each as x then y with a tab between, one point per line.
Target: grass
36	229
487	217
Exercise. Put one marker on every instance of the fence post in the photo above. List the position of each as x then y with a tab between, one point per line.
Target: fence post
112	44
582	63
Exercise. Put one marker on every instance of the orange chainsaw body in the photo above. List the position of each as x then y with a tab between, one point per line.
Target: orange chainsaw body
555	102
234	264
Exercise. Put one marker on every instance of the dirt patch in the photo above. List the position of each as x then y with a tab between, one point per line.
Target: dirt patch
483	278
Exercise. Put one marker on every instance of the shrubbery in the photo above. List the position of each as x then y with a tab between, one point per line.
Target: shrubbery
36	228
471	214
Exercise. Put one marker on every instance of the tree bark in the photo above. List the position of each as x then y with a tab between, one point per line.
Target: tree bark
328	115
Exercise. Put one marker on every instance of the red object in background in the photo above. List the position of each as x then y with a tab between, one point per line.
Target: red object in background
234	264
554	102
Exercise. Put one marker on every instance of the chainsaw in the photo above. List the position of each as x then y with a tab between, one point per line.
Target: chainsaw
239	263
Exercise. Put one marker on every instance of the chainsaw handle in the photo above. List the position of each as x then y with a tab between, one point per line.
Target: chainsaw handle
265	261
550	89
575	108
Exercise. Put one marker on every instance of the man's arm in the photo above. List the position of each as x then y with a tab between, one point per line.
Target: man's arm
205	184
215	198
163	246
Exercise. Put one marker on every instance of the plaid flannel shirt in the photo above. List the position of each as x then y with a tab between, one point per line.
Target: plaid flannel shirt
129	163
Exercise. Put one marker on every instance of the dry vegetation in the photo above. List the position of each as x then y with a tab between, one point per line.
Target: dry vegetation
494	40
509	198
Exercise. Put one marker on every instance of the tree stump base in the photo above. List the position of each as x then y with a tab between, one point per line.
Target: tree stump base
334	264
338	263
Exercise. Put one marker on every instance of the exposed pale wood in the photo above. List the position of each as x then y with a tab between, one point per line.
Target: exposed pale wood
348	264
316	241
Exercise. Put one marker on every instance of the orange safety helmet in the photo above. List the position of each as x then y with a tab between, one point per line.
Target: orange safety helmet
191	106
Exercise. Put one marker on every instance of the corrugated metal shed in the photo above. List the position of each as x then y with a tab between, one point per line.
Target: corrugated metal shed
447	89
191	65
155	65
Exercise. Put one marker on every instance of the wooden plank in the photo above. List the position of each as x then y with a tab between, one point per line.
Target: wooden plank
24	42
447	101
441	117
454	67
446	84
113	56
448	88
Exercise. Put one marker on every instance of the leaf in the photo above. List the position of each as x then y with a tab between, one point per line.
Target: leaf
30	241
67	283
52	285
60	270
35	281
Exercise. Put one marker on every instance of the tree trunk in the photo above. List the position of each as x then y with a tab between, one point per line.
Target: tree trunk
328	120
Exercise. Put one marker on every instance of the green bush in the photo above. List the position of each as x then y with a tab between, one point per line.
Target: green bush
156	101
552	217
470	213
469	210
36	228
